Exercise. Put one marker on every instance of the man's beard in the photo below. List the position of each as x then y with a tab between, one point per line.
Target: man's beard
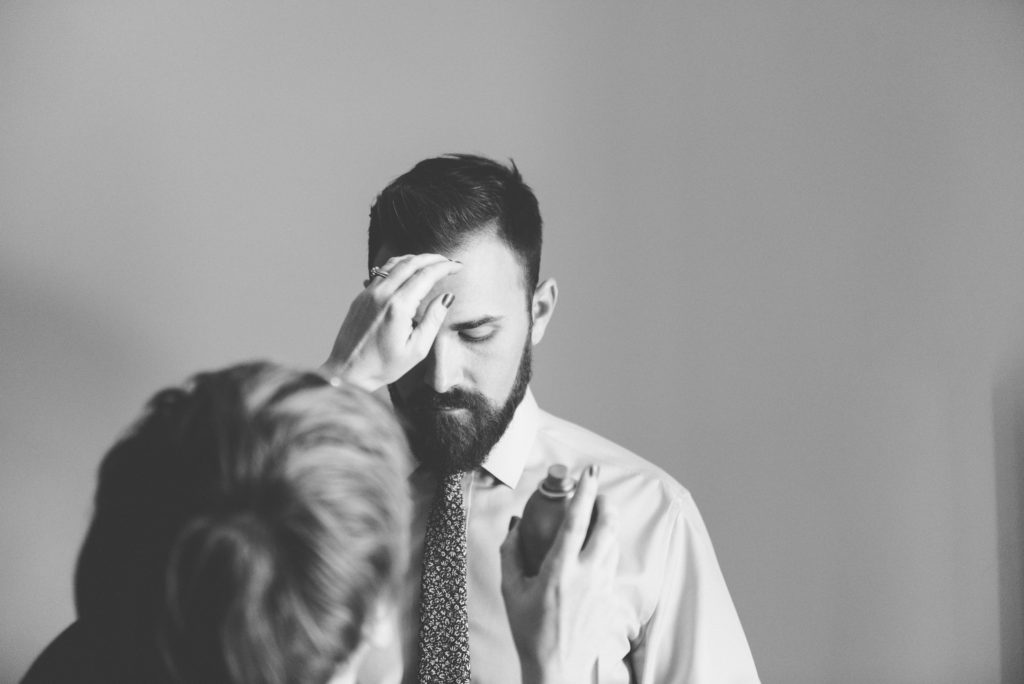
449	444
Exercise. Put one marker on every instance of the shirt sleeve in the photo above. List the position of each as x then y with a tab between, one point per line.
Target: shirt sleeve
694	635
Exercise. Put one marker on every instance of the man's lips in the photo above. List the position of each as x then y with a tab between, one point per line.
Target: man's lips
436	407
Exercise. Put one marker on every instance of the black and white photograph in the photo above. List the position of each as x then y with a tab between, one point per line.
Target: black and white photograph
511	342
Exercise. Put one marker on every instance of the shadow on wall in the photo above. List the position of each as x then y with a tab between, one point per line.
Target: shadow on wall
1008	432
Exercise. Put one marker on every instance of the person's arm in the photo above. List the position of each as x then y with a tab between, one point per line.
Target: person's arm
558	615
694	635
389	328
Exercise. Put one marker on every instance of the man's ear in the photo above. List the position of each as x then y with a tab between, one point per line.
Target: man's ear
543	307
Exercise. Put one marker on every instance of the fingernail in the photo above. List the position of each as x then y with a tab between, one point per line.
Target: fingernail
512	522
594	469
448	299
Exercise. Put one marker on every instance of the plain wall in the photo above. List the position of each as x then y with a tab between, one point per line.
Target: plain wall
789	238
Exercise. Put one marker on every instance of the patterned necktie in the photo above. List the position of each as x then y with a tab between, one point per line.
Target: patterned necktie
444	626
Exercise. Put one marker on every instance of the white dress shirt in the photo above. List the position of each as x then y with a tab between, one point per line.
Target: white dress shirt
674	620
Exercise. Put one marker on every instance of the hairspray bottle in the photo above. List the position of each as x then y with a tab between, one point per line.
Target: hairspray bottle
543	515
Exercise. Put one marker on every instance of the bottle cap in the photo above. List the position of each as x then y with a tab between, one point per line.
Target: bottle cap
557	483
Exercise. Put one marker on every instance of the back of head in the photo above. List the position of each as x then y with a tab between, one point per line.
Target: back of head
443	201
245	530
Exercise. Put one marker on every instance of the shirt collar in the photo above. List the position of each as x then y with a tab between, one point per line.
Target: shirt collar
508	457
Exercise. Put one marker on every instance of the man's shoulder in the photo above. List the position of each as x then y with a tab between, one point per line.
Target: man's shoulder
621	468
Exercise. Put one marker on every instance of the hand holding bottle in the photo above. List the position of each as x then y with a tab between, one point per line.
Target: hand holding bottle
558	615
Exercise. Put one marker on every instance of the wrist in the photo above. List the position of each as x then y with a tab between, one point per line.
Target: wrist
344	373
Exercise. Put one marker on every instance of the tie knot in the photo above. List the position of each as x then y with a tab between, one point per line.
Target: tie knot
451	486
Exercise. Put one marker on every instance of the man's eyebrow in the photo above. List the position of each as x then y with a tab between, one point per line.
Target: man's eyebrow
475	323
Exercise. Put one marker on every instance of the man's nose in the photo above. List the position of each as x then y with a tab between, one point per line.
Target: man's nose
441	369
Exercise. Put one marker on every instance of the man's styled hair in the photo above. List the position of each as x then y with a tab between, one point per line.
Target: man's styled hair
441	202
246	528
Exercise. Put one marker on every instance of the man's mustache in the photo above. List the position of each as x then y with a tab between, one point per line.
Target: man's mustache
427	399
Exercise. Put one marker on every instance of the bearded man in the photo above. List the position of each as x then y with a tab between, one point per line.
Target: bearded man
461	236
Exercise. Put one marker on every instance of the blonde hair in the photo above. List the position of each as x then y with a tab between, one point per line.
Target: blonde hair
246	529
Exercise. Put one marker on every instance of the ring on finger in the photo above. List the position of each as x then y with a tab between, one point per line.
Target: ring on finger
376	272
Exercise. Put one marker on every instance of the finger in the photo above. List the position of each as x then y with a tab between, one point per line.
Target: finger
390	264
386	267
419	284
603	536
573	531
403	269
413	270
422	336
512	570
